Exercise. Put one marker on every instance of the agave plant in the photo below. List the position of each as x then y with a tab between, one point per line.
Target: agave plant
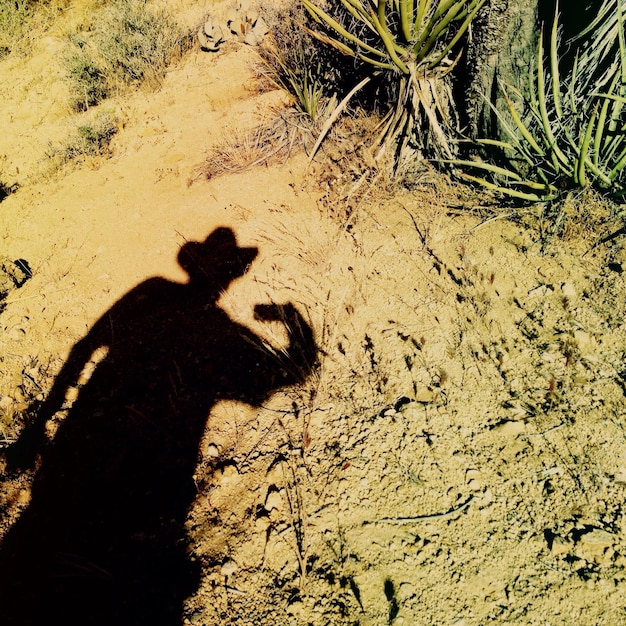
415	43
570	132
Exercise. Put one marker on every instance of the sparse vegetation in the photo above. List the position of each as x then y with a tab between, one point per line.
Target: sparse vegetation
413	45
90	139
267	143
129	43
569	134
305	68
13	17
20	19
460	454
88	80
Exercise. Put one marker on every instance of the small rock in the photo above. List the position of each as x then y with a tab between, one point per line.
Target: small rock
196	618
212	451
208	28
230	475
5	402
568	290
510	428
585	341
425	396
231	17
229	567
273	501
207	44
598	539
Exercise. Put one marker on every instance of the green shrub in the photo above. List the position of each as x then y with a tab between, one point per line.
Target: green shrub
87	78
137	43
413	44
571	132
91	138
22	20
14	15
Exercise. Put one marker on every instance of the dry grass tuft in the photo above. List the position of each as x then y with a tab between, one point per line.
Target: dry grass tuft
124	44
23	21
90	139
269	142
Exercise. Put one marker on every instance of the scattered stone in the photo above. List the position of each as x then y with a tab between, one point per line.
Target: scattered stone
473	478
229	567
5	402
597	541
425	396
212	451
568	290
241	23
196	617
510	428
273	501
585	341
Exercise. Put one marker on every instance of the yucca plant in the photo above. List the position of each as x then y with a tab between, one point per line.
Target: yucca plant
302	66
415	44
570	132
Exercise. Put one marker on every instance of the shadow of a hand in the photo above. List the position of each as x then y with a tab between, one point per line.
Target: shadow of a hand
276	313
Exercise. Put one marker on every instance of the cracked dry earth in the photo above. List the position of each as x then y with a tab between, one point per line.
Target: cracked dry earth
458	458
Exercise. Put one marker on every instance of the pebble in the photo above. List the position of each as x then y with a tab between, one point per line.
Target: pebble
568	290
273	501
212	451
510	428
229	567
425	396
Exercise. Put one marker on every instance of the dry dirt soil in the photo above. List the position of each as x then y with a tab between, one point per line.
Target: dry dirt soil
459	455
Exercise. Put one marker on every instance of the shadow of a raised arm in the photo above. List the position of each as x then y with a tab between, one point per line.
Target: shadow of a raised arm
298	360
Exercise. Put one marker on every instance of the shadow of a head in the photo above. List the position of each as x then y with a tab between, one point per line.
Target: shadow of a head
216	261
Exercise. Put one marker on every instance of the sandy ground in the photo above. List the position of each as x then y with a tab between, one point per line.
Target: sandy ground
459	456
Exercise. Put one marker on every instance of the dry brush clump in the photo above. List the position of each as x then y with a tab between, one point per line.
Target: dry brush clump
22	22
270	142
90	139
125	44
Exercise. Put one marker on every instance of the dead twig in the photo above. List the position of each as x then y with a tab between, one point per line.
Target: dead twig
423	518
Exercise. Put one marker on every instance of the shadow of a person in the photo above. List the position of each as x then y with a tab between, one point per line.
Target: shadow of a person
102	540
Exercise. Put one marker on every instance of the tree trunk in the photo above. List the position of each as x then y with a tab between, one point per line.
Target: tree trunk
500	49
503	47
